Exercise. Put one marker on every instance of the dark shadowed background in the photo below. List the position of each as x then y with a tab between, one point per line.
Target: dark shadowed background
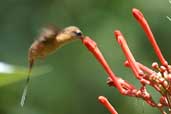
76	79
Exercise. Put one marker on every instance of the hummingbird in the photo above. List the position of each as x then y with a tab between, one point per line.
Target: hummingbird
49	40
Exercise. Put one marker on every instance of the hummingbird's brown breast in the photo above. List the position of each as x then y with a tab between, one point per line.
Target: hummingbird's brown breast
41	49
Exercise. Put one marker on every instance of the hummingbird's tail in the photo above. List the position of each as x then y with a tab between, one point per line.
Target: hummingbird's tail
24	94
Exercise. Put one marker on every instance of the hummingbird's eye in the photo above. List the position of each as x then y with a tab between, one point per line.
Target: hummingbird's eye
78	33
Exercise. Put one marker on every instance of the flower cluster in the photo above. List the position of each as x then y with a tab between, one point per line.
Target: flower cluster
159	77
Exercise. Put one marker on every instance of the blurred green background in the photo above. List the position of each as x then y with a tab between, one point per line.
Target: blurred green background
75	79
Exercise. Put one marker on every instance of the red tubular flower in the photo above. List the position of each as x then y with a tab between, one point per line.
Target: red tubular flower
103	100
133	64
142	21
128	54
160	80
92	47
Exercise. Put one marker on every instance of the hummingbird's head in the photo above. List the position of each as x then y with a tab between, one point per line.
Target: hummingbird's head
74	32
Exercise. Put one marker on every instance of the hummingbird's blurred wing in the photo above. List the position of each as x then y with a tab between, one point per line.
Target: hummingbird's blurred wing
48	34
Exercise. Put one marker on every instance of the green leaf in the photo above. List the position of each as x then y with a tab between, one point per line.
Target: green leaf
10	74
